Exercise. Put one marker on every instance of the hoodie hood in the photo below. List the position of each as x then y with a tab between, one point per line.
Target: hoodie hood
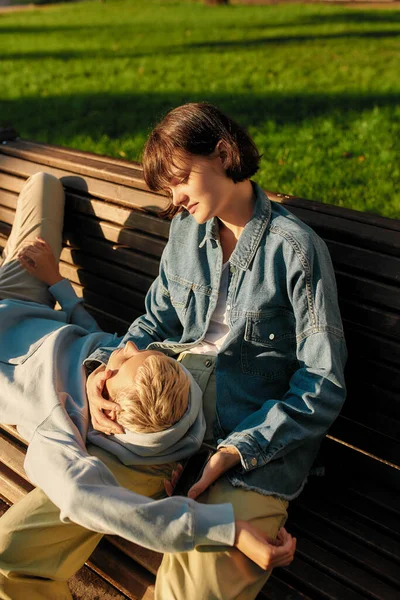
181	440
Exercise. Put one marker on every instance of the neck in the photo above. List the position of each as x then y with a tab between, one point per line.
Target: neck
239	208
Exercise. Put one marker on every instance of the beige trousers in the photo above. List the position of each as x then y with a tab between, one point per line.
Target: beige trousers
38	553
40	212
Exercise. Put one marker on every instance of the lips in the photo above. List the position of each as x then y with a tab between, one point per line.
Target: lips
192	208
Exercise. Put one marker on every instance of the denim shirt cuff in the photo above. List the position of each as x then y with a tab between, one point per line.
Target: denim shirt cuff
247	448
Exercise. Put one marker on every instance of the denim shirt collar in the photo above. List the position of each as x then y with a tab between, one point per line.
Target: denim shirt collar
251	235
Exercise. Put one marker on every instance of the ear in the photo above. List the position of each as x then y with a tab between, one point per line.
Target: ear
221	152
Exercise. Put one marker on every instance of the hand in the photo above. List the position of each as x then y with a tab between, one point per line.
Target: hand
266	553
38	259
170	485
223	460
97	403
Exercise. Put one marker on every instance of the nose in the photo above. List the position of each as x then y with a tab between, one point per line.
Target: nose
130	349
178	197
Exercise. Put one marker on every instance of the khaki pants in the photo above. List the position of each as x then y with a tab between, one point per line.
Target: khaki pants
38	552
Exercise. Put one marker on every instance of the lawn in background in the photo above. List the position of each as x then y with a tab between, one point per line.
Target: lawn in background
317	86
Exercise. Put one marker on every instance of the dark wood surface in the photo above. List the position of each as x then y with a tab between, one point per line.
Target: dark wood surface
348	522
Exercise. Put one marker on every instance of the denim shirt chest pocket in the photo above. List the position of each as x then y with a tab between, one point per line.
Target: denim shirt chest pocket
269	344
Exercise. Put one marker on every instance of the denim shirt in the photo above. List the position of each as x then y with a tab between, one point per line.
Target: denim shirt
279	373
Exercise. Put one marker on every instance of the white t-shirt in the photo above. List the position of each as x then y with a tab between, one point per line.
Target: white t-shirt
218	328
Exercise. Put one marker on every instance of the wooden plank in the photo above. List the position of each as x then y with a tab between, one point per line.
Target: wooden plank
369	344
11	183
137	282
8	199
321	208
132	579
113	212
77	154
277	589
365	438
77	225
12	455
380	294
309	579
352	259
336	540
129	175
369	317
88	248
130	197
367	236
12	486
383	375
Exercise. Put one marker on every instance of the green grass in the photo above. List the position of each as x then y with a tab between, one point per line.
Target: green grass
317	86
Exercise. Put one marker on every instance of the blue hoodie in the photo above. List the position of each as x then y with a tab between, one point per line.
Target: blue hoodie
42	391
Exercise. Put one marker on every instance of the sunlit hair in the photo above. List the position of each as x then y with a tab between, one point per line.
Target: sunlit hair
157	399
196	129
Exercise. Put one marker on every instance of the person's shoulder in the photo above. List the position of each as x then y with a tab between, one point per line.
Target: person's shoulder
292	230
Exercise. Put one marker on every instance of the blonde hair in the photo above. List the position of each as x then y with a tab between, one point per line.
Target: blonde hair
157	399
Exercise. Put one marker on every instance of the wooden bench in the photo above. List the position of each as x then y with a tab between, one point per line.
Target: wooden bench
347	523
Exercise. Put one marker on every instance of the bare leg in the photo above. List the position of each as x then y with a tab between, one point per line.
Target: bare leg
40	212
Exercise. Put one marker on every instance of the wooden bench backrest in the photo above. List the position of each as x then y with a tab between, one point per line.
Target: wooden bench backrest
114	240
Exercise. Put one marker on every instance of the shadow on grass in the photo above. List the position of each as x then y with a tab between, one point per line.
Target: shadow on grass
208	45
116	115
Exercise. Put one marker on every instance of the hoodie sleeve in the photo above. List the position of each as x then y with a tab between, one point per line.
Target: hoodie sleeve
72	306
88	494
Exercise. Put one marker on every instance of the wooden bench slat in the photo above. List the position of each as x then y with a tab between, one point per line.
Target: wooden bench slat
309	579
138	282
380	294
366	439
351	259
337	539
116	567
115	173
11	183
371	345
77	155
113	233
106	190
340	229
280	590
326	210
89	248
370	317
347	573
109	211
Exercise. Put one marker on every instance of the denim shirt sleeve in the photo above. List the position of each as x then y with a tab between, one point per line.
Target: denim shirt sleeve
316	389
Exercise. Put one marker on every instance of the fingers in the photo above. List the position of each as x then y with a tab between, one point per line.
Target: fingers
169	485
219	463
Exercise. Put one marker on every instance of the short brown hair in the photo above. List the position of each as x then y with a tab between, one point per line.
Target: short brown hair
196	129
157	399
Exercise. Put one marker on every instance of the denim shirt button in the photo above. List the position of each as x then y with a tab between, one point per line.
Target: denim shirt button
208	363
271	336
253	462
219	441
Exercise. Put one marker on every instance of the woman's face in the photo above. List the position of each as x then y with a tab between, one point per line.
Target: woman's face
201	186
124	363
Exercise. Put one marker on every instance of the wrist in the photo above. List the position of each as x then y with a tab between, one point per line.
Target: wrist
54	279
